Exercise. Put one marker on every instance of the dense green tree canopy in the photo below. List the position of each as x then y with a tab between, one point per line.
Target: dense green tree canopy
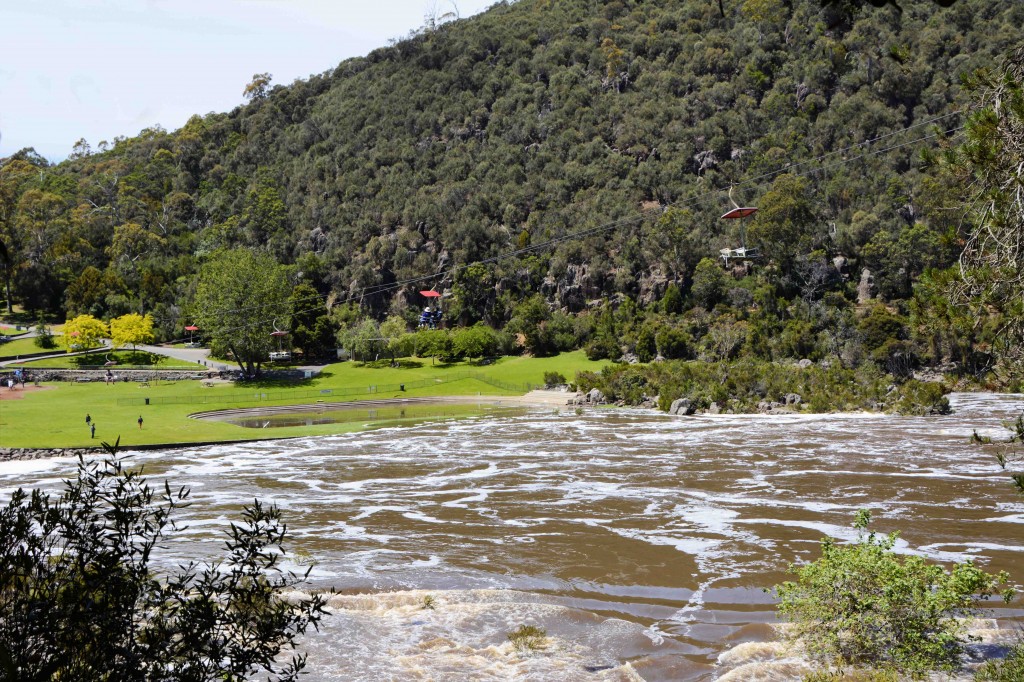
242	297
579	149
990	164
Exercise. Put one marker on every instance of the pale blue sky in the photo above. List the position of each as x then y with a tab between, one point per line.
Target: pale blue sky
102	68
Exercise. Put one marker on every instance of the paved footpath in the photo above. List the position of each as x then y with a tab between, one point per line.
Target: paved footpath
200	356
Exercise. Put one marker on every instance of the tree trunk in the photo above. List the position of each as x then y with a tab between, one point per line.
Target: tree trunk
7	290
238	358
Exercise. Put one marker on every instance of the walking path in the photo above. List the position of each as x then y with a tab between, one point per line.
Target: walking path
200	356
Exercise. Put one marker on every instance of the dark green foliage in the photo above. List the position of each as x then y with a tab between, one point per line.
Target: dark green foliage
897	358
861	604
673	343
312	330
81	599
742	386
646	348
709	284
797	341
988	167
879	327
631	385
530	322
922	398
786	225
241	299
432	343
475	342
552	379
603	347
44	337
439	156
672	302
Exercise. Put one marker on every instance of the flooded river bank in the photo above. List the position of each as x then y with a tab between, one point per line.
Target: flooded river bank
641	542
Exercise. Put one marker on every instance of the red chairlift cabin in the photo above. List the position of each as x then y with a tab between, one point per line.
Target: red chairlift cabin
431	316
738	212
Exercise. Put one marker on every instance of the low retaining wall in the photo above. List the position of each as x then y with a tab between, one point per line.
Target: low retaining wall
22	454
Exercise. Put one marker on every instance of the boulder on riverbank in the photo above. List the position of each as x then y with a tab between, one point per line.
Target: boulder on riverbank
682	406
594	397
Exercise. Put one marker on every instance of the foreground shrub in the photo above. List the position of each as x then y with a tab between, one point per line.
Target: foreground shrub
79	599
862	605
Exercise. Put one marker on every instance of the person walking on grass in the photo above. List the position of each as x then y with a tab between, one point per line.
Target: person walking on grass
87	418
140	422
92	430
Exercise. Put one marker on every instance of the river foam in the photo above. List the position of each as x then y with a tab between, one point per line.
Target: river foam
642	542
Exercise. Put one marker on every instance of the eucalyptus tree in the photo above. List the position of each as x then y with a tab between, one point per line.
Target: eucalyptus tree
990	164
242	297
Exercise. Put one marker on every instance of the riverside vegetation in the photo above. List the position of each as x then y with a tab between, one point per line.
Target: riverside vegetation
81	597
861	605
562	165
557	171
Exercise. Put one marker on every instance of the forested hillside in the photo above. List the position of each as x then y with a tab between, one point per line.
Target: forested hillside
613	128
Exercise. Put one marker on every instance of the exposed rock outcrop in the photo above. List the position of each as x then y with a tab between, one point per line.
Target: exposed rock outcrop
866	287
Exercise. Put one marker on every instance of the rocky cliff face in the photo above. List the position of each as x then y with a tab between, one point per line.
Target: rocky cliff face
579	287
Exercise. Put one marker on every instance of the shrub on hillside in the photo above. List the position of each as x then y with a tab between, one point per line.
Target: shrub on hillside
604	347
552	379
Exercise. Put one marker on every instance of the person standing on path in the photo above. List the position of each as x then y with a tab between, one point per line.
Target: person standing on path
140	422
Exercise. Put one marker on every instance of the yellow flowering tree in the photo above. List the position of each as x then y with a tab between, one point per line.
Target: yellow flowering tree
131	329
84	333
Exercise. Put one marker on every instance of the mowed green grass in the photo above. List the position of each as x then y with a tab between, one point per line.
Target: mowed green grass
122	357
17	347
55	417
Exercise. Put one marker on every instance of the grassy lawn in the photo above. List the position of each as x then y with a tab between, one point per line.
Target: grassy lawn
122	357
56	417
17	347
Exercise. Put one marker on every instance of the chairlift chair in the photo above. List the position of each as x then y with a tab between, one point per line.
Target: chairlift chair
280	354
738	212
431	316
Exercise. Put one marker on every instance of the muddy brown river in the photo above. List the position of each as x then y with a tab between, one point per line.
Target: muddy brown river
642	543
